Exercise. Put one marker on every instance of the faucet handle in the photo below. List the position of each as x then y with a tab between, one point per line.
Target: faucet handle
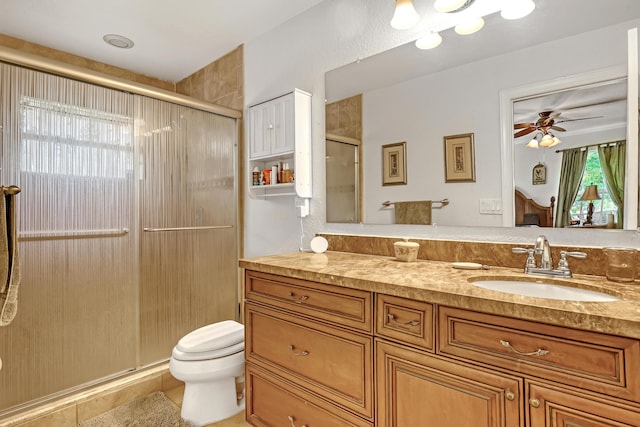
563	264
531	260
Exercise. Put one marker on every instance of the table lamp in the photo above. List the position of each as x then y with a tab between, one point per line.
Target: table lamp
590	194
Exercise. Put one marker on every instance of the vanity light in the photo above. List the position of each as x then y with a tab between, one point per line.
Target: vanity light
516	9
405	15
429	41
469	26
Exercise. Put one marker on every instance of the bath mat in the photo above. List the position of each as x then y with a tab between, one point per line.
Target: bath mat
153	410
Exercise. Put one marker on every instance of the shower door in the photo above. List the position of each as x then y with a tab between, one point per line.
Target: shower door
99	296
188	253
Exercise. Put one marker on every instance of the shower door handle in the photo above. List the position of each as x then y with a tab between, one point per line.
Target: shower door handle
204	227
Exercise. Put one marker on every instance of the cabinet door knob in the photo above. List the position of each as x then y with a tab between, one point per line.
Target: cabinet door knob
270	126
535	403
291	419
298	353
509	395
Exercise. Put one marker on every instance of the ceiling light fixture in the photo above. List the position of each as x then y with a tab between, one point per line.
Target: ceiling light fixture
429	41
452	6
516	9
469	26
544	139
405	15
118	41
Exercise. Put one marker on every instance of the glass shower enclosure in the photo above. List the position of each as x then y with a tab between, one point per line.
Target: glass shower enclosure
127	230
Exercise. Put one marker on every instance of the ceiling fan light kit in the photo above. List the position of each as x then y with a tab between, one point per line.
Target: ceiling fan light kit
429	41
405	15
516	9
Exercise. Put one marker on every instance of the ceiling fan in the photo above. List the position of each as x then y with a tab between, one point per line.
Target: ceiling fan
547	120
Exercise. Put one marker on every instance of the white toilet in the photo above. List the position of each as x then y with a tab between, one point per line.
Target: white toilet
210	360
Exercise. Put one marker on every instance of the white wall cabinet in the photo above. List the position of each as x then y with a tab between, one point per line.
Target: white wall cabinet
279	133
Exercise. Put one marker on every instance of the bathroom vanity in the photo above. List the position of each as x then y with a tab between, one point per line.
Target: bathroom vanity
343	339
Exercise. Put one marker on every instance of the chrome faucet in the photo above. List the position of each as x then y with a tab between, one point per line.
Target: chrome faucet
543	248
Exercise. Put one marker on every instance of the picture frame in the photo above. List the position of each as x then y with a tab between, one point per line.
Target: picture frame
539	174
394	164
459	158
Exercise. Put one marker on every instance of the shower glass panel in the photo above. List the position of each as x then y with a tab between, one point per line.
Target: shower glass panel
187	203
343	179
99	296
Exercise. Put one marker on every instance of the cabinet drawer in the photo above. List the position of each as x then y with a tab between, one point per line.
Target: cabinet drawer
589	360
331	362
342	306
273	402
405	320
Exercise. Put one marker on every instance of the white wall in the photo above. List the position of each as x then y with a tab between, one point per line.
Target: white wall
334	33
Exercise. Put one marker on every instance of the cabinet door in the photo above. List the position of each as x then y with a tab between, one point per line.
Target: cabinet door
418	389
551	407
283	125
261	129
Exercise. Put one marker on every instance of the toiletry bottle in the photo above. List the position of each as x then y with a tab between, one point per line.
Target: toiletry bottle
274	174
255	179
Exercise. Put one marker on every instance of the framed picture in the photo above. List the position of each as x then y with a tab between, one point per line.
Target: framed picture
394	164
539	174
459	158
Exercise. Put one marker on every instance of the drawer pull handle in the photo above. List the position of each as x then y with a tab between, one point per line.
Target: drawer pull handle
298	353
534	403
291	419
298	300
392	318
538	352
509	395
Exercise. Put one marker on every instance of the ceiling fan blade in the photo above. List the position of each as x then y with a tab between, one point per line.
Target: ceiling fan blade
558	128
523	132
523	125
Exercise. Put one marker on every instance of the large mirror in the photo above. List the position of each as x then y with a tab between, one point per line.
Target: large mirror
423	98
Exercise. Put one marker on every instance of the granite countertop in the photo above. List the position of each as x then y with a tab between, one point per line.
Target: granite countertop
438	282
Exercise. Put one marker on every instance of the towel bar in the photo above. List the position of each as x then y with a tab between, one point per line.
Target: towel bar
443	202
12	189
205	227
69	234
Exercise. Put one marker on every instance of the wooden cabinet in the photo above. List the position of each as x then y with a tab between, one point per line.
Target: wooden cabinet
315	337
415	388
317	353
549	406
279	132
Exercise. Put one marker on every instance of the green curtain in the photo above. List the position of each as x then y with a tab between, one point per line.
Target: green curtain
612	161
573	162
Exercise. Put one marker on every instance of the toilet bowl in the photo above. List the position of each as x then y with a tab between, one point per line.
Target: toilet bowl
210	361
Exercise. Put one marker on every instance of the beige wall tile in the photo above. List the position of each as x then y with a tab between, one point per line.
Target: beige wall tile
61	417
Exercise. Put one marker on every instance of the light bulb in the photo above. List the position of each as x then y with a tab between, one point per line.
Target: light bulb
469	26
516	9
546	141
405	15
429	41
449	5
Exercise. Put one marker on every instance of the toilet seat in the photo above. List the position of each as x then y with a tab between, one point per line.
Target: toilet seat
211	342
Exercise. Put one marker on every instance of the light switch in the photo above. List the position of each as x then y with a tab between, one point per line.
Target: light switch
491	206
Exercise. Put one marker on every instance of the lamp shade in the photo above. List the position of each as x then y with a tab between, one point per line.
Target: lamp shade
429	41
405	15
590	193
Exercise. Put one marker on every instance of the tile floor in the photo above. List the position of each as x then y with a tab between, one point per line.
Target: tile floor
175	395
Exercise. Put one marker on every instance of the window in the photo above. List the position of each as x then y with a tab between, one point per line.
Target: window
74	141
593	176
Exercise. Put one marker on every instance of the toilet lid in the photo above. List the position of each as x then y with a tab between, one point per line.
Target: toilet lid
216	340
207	355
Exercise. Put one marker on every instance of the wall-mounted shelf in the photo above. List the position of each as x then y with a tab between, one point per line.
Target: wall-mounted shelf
280	132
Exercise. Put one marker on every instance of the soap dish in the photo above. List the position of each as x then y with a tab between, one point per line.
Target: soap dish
406	251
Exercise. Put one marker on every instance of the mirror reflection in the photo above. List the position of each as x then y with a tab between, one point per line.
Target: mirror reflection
421	97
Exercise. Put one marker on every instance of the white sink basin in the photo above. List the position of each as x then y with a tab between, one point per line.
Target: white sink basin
542	289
